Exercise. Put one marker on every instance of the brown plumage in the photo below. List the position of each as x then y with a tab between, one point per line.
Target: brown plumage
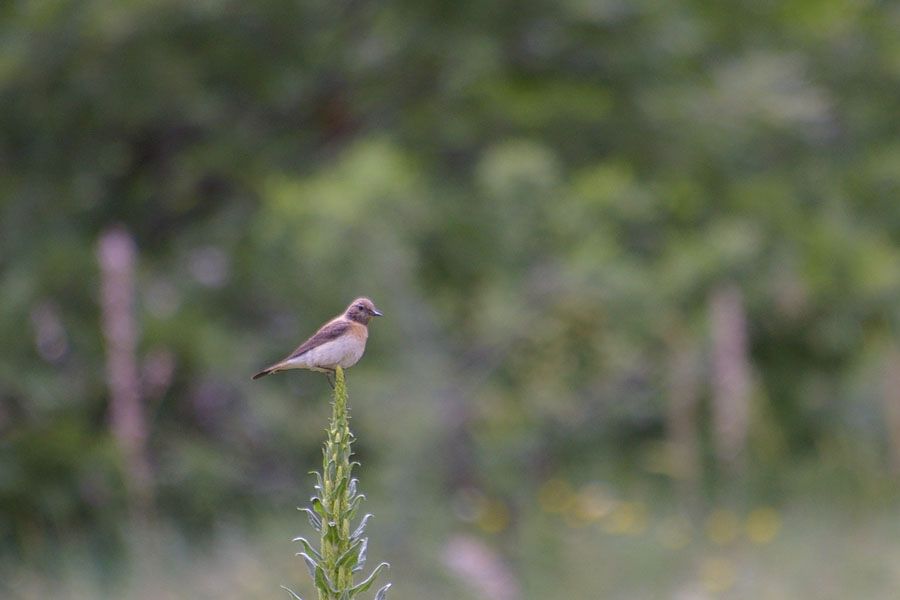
339	343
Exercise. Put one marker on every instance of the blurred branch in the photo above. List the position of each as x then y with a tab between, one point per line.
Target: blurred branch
684	402
116	253
730	376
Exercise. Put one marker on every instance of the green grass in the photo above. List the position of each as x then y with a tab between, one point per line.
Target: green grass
818	551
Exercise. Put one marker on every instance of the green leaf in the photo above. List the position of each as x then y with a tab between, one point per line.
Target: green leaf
382	593
317	505
292	593
310	563
361	560
331	532
368	581
322	581
351	552
361	527
314	519
354	506
319	484
308	548
341	486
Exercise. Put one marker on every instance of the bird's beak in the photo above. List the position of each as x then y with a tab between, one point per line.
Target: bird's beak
376	313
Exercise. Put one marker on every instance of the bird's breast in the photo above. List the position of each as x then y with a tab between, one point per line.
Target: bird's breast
344	351
354	345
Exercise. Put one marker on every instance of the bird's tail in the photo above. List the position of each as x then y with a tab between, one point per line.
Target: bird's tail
266	371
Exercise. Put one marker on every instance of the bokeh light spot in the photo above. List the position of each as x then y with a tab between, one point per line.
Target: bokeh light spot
495	517
723	527
628	518
674	533
717	574
555	495
763	524
592	503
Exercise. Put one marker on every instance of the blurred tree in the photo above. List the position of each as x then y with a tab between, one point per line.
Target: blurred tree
543	191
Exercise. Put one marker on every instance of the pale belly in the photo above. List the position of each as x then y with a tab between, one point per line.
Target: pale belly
344	352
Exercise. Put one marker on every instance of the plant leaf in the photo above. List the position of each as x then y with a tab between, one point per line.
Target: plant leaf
317	505
307	547
310	563
382	593
319	484
341	486
354	506
361	527
361	560
322	581
368	581
331	532
314	519
351	552
292	593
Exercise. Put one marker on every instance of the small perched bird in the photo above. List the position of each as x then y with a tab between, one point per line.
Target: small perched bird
338	343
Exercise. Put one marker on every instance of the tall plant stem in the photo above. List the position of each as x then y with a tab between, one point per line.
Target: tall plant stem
337	472
341	552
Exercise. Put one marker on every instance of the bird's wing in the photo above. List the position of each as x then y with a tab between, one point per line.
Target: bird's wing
328	332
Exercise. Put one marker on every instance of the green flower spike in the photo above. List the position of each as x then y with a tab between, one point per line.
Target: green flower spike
342	552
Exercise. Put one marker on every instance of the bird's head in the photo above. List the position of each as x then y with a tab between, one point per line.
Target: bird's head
362	310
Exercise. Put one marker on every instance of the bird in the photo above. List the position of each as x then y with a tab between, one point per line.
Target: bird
338	343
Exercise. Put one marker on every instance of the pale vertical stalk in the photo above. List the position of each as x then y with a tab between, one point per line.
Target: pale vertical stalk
730	376
682	417
891	406
116	254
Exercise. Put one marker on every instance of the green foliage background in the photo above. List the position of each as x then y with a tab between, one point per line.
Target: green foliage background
539	195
